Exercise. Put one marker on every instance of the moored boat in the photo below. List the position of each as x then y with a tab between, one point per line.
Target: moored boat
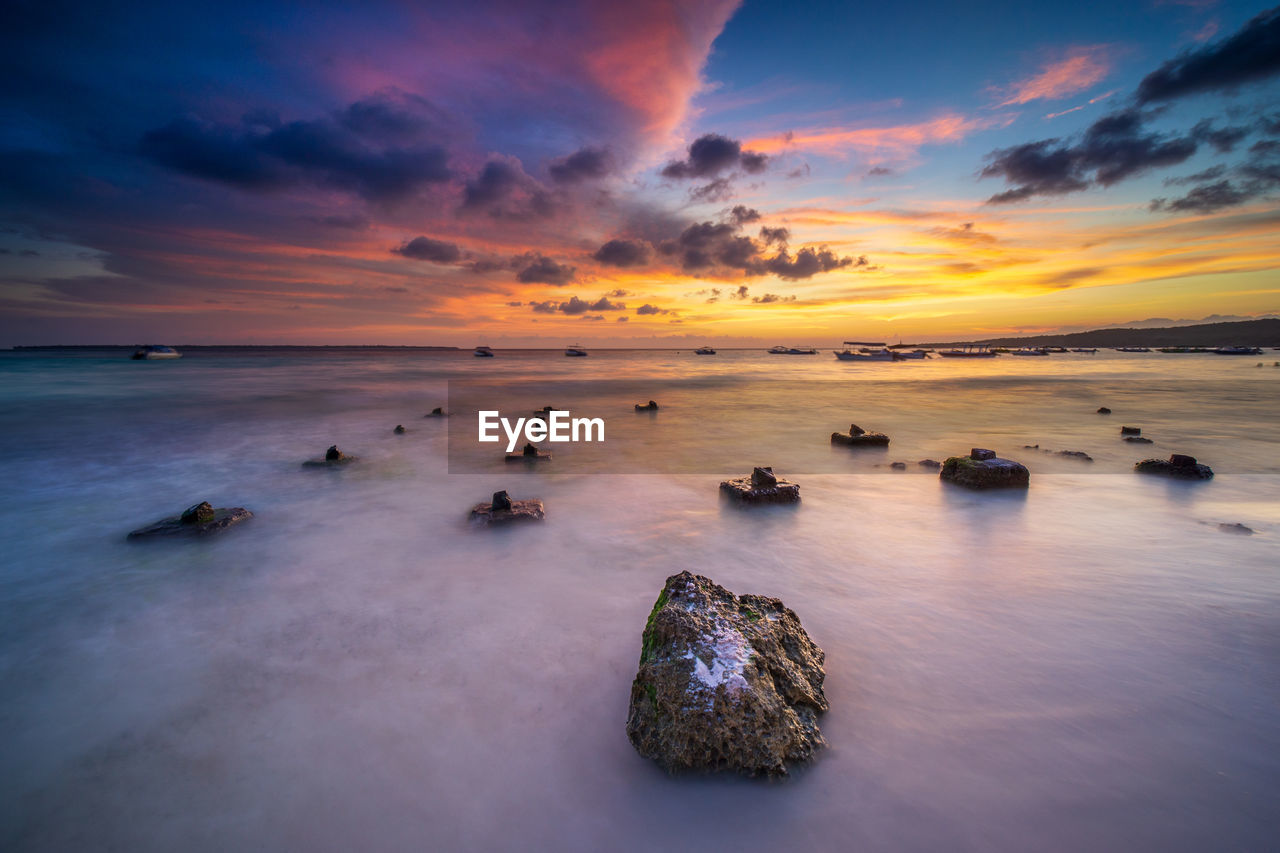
154	352
1030	351
1133	349
1238	351
704	351
483	352
865	352
575	350
1089	350
781	350
968	351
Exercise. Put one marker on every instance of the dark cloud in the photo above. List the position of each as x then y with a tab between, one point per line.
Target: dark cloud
721	189
624	318
721	248
1206	198
575	306
260	154
619	293
651	309
771	236
623	253
808	263
426	249
1210	174
740	293
1224	140
879	172
772	297
603	304
537	268
514	304
1115	147
712	154
1250	55
742	215
504	191
582	165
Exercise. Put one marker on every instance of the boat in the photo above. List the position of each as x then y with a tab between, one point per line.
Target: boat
483	352
1030	351
575	350
704	351
914	353
865	352
1089	350
968	351
1054	349
781	350
1133	349
1238	351
153	352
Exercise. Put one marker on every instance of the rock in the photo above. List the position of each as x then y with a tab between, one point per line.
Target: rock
1076	454
1103	410
985	472
859	437
651	407
898	466
332	457
502	510
399	430
1237	528
1137	439
1177	465
197	520
929	463
762	487
437	412
1026	447
725	682
1130	430
529	453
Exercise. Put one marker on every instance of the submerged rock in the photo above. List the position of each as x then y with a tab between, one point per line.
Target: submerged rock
1076	454
725	682
1124	430
651	406
399	430
529	453
1237	528
762	487
1177	465
1138	439
332	457
502	510
194	521
982	469
898	466
929	463
437	412
859	437
1103	410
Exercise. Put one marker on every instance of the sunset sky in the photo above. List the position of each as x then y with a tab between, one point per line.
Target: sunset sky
633	173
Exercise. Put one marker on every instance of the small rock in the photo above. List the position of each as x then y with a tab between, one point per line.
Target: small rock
399	430
985	472
898	466
1237	528
725	682
762	487
196	520
332	457
437	412
502	510
858	437
1124	430
929	463
1103	410
1076	454
650	407
1178	466
1028	447
1137	439
529	453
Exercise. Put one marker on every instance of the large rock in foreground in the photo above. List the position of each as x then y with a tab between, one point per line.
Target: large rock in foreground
762	487
1177	465
982	469
859	437
197	520
726	682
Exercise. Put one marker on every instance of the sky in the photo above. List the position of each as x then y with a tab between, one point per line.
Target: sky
640	173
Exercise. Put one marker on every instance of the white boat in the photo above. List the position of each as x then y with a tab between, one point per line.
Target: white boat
968	351
781	350
1133	349
153	352
483	352
575	350
1029	351
1238	351
704	351
914	353
865	352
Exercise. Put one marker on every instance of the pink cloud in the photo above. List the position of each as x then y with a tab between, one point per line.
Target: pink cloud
1082	68
898	141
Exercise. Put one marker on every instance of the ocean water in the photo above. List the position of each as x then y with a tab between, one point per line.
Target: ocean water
1093	664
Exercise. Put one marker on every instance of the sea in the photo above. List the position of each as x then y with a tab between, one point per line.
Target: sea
1090	664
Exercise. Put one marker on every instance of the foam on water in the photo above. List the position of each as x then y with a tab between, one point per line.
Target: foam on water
1091	664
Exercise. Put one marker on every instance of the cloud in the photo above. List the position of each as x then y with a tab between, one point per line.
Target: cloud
742	215
427	249
721	189
651	309
582	165
712	154
1115	147
624	318
772	297
1080	69
504	191
536	268
576	306
623	253
771	236
1250	55
966	234
896	141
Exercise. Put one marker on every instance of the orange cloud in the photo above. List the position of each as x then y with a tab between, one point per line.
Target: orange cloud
1082	68
897	141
